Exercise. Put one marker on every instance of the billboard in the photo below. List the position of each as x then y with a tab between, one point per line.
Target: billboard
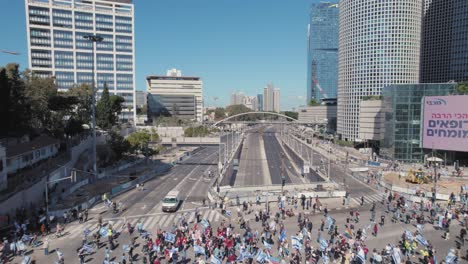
445	122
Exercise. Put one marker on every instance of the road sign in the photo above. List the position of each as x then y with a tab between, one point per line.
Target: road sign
306	169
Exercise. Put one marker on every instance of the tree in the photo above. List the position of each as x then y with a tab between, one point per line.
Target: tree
118	144
463	88
105	116
139	141
291	114
4	101
18	113
313	102
84	98
220	113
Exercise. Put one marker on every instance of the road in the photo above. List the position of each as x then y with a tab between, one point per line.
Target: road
253	166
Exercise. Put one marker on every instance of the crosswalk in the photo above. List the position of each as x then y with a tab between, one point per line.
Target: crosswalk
368	199
150	222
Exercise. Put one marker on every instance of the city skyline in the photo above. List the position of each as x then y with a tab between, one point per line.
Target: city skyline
282	40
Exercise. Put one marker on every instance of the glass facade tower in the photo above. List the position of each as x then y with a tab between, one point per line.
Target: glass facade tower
402	106
444	51
322	51
379	45
57	47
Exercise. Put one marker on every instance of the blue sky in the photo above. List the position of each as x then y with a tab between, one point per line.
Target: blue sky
234	45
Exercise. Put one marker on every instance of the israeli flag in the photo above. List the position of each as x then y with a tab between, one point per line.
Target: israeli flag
409	235
261	256
323	244
88	249
360	255
215	260
421	240
87	231
420	228
282	235
198	249
26	238
205	223
26	260
296	242
450	258
228	214
325	258
169	238
125	248
156	248
396	255
266	244
330	222
103	231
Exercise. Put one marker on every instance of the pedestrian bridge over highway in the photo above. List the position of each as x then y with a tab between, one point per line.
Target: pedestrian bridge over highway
189	141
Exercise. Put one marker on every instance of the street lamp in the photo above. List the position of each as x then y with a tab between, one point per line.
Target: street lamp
93	39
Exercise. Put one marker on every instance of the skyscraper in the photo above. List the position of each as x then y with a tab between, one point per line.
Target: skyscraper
444	51
268	98
322	51
57	47
276	100
260	102
379	45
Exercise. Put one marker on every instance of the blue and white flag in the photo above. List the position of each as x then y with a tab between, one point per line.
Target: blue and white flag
396	255
198	249
450	258
205	223
215	260
87	231
409	235
26	238
330	222
228	214
156	248
420	228
296	242
261	257
169	237
103	232
325	258
360	255
421	240
441	219
88	249
26	260
266	244
126	248
282	235
323	244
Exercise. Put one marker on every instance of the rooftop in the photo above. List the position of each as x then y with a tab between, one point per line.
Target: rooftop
164	77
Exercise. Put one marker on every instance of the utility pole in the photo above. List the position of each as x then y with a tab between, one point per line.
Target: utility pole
94	39
329	166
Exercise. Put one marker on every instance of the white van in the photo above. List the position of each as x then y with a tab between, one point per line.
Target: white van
171	201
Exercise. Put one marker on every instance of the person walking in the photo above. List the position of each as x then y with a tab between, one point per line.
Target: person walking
46	246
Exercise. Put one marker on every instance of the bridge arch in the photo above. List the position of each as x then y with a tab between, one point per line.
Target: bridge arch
249	113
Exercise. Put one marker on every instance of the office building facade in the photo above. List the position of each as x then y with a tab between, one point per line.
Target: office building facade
379	44
402	106
444	51
175	95
57	47
260	102
322	51
271	98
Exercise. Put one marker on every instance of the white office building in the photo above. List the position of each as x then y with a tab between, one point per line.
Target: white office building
379	44
57	47
175	95
271	98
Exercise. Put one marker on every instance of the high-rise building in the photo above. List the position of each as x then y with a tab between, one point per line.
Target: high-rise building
268	98
260	102
322	51
57	47
379	44
444	50
171	95
250	102
276	100
237	98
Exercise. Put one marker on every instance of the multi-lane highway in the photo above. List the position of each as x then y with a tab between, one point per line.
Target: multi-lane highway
253	166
